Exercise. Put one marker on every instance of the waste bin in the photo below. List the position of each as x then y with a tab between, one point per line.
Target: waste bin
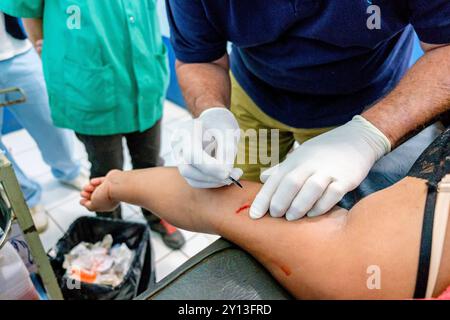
136	236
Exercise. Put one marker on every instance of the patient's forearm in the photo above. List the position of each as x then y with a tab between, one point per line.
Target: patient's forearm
164	192
325	257
289	250
286	249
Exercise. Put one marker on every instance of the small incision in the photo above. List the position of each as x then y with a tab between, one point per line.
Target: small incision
244	207
286	270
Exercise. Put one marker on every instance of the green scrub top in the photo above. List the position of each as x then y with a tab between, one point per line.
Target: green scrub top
105	64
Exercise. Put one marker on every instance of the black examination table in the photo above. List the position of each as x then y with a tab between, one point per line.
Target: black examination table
222	271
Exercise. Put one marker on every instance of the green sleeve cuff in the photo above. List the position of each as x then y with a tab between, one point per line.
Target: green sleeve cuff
23	8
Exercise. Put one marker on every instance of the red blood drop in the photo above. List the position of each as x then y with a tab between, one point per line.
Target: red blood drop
244	207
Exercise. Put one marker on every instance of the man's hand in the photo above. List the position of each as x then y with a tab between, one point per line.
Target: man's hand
96	196
205	149
317	175
38	46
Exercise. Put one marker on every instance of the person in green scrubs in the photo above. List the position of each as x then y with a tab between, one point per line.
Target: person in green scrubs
107	73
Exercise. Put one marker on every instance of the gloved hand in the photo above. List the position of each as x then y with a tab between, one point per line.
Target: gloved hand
205	149
317	175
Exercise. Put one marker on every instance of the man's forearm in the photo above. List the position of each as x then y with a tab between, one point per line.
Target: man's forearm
34	29
420	97
205	85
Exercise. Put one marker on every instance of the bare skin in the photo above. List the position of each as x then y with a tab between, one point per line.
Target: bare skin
35	32
205	85
422	95
321	258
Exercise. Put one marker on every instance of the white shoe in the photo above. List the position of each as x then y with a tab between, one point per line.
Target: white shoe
40	219
79	182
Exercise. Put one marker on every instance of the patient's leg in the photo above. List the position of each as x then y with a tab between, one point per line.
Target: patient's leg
326	257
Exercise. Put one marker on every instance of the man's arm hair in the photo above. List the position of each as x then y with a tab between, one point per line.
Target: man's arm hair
205	85
421	98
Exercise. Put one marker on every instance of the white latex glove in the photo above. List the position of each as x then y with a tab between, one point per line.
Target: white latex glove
205	149
317	175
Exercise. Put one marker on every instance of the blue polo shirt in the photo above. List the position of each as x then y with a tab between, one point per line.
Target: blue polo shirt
309	63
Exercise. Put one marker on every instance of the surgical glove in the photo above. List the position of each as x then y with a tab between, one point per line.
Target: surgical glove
205	148
317	175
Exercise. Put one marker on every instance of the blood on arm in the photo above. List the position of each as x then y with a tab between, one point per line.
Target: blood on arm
242	208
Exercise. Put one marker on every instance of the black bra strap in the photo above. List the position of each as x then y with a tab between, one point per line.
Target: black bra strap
426	243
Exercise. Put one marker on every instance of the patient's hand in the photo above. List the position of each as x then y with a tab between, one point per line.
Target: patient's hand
96	196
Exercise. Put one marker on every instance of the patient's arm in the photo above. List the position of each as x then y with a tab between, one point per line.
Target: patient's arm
325	257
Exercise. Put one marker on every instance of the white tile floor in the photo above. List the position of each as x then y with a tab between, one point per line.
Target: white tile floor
62	202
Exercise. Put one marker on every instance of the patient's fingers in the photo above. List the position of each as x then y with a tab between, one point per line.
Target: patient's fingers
89	188
97	181
86	195
86	203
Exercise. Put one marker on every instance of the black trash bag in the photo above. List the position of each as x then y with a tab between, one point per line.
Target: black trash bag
92	229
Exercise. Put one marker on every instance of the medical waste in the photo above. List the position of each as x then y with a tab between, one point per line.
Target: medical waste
100	263
88	238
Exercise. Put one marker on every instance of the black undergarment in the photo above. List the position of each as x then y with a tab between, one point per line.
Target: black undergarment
432	166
